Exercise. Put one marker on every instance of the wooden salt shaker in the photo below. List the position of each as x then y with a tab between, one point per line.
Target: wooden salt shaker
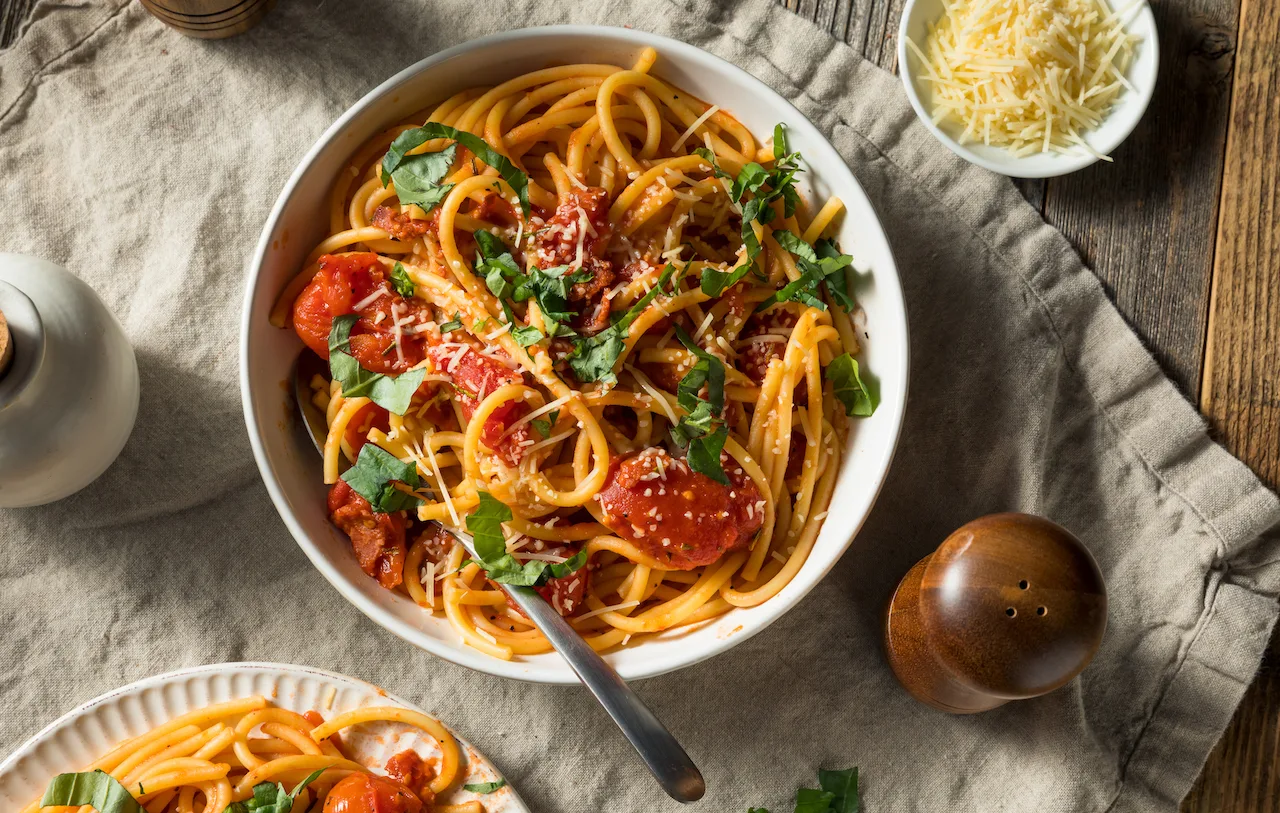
209	19
1010	606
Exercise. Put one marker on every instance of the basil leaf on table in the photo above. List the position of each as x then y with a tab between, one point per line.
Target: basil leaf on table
373	475
843	785
858	399
98	789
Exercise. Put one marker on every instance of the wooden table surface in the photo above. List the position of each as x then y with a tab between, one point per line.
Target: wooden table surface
1184	231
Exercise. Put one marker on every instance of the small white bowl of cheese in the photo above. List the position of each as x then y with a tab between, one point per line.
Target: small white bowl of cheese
1029	88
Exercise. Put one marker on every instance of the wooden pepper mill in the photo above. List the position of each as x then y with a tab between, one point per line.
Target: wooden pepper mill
209	19
1008	607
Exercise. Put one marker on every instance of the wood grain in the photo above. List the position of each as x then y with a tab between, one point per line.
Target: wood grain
1145	224
12	14
1241	390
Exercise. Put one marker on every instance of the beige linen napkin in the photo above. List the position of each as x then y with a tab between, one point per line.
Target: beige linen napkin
146	163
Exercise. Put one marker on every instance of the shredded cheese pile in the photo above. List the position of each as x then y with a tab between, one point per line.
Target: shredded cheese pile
1027	75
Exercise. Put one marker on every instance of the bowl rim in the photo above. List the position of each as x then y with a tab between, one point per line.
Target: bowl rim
1014	167
889	286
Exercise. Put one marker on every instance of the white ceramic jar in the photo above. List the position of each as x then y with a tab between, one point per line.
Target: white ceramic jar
69	393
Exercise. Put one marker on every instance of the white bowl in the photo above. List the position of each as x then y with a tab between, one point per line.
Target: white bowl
80	736
1115	128
290	465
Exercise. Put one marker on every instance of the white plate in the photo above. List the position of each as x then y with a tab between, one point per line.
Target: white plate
290	465
1104	138
79	737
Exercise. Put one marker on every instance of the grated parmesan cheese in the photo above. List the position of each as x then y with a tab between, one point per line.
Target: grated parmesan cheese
1027	75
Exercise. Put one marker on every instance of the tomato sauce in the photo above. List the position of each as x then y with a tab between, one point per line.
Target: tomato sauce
476	377
377	539
675	514
582	217
408	769
368	793
400	225
345	281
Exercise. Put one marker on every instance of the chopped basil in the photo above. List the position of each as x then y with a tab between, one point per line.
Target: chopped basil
821	266
485	787
753	180
702	429
496	265
858	399
453	324
401	282
272	798
544	427
392	393
485	525
98	789
593	358
410	139
417	177
373	477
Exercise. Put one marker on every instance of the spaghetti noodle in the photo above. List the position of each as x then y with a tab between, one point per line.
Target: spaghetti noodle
588	317
229	756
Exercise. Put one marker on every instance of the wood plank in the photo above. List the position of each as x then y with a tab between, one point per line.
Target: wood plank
12	14
1241	392
1145	224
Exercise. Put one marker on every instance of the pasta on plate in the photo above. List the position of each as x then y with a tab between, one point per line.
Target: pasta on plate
588	318
249	756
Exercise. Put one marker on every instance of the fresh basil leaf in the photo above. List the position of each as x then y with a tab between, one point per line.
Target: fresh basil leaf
485	525
804	289
542	427
495	264
795	245
393	393
550	289
401	282
843	785
373	475
516	179
417	178
710	157
757	810
750	179
574	563
835	267
554	417
526	335
593	358
453	324
704	455
98	789
485	787
707	370
809	800
779	142
847	385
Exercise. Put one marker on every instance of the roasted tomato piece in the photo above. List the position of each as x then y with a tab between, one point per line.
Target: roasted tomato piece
577	235
675	514
389	335
370	416
408	769
377	539
478	376
367	793
400	225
